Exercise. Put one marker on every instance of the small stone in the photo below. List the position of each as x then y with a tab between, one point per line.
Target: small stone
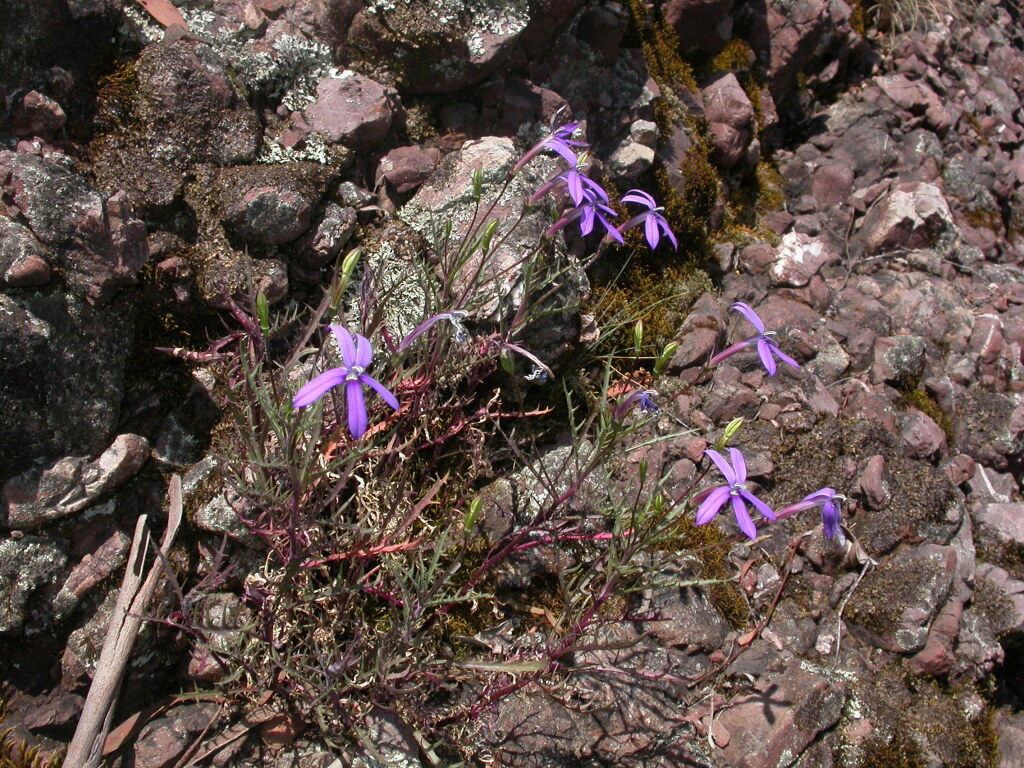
351	109
36	114
873	485
405	168
798	259
630	160
921	437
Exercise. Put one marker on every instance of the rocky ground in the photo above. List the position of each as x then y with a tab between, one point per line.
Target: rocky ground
152	174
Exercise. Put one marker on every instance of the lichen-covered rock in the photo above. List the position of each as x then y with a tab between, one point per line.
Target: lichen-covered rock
772	726
23	259
39	496
98	243
61	375
269	204
184	109
437	47
25	565
493	283
895	604
351	109
989	427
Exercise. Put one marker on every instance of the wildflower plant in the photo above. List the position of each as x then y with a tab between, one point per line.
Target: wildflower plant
370	509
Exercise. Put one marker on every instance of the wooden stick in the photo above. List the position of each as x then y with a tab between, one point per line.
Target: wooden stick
85	750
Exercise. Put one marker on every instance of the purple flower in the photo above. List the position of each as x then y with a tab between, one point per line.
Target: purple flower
459	333
653	219
767	347
734	491
356	356
828	500
587	213
642	398
559	141
580	187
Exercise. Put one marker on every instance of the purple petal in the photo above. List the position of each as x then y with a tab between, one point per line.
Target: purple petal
562	148
575	186
313	390
380	389
732	350
763	508
830	519
357	420
651	232
784	357
739	466
723	466
594	187
712	505
586	220
345	344
764	350
364	352
667	230
641	197
750	314
739	509
610	228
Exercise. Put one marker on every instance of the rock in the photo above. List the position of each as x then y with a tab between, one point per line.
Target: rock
60	376
800	35
873	485
771	727
351	109
164	739
686	617
921	437
702	24
1009	728
439	47
730	116
72	484
222	617
630	160
186	110
23	259
35	114
99	244
405	168
26	564
91	570
898	358
915	96
989	427
270	204
895	604
1003	521
495	285
798	259
913	215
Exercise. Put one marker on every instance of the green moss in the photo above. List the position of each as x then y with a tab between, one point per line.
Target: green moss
15	753
660	46
711	547
858	18
660	297
737	56
914	396
689	210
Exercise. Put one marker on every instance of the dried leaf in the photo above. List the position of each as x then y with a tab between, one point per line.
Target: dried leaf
164	12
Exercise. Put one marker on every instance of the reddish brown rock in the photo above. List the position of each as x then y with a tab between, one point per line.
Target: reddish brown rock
352	109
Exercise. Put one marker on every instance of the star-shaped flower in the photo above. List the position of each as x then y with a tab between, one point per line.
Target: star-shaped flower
831	515
653	219
356	356
735	491
767	347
